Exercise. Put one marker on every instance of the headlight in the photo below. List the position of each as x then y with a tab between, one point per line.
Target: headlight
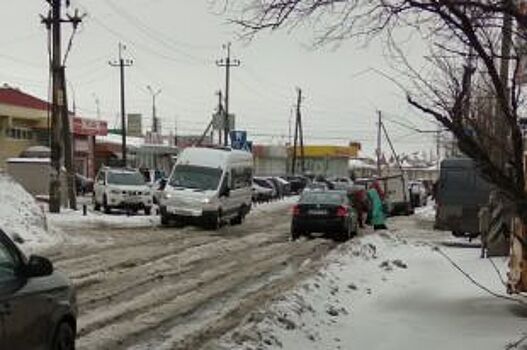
167	195
115	192
205	201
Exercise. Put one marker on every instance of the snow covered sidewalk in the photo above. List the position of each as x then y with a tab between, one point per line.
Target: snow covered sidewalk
386	292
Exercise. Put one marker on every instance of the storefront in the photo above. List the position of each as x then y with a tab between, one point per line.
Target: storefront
84	132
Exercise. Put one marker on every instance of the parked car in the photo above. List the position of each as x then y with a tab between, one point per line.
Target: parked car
286	186
119	188
38	307
341	183
316	186
260	193
264	182
297	183
278	185
328	211
418	194
211	186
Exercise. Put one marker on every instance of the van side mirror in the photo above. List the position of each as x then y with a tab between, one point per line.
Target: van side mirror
225	192
38	266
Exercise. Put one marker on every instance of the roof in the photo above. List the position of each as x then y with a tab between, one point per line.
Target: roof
16	97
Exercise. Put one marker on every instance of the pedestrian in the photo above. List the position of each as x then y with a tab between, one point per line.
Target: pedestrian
376	212
377	186
360	201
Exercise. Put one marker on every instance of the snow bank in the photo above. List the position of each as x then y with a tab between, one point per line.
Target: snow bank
381	292
22	218
427	213
69	219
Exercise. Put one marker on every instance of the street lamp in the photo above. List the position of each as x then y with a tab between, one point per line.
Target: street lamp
154	94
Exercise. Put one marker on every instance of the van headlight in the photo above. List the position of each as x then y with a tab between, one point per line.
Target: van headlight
205	201
167	195
115	192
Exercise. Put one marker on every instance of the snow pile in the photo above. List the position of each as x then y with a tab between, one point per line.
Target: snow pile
381	292
22	218
69	219
427	213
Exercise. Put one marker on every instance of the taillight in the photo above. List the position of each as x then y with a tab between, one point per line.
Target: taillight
296	210
342	211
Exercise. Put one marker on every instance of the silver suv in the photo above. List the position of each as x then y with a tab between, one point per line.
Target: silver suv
119	188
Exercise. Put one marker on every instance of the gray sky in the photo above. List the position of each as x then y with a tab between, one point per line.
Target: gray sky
174	45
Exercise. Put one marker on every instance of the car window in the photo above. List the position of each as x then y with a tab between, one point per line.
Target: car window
8	263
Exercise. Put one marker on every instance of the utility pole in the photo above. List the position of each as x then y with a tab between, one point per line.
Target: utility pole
227	63
220	113
68	146
299	136
175	131
379	143
122	63
405	192
59	126
98	105
154	94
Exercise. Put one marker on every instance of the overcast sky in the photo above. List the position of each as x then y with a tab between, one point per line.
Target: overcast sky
174	45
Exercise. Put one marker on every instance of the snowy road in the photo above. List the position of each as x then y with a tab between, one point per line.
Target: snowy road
154	288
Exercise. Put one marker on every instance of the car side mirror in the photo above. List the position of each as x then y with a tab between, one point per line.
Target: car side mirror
38	266
226	192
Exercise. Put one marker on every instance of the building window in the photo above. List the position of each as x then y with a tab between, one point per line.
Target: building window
19	133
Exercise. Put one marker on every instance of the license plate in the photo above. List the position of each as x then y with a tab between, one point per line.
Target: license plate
134	199
317	212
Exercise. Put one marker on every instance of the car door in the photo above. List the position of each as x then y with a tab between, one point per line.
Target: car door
26	312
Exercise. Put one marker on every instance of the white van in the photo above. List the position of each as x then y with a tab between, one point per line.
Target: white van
210	186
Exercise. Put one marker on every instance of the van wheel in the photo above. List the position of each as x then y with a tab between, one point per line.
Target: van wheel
238	220
148	210
64	337
214	222
96	206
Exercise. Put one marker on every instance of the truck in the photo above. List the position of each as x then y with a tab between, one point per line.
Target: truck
461	192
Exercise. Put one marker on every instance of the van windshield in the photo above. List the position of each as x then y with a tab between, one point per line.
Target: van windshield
196	177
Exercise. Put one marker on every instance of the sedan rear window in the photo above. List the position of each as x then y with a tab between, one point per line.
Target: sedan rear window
322	198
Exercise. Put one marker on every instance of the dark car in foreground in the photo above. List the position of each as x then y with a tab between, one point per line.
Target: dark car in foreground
328	212
38	308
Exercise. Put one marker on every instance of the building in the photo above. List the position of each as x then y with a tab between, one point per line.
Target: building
270	160
325	160
24	122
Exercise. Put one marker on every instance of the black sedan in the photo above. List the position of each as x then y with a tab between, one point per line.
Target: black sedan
328	212
38	308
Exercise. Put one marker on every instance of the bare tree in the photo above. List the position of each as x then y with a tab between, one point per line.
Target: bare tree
461	34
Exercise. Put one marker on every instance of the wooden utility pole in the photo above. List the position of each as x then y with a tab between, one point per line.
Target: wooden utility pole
59	127
299	136
154	94
68	146
227	62
220	113
122	63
